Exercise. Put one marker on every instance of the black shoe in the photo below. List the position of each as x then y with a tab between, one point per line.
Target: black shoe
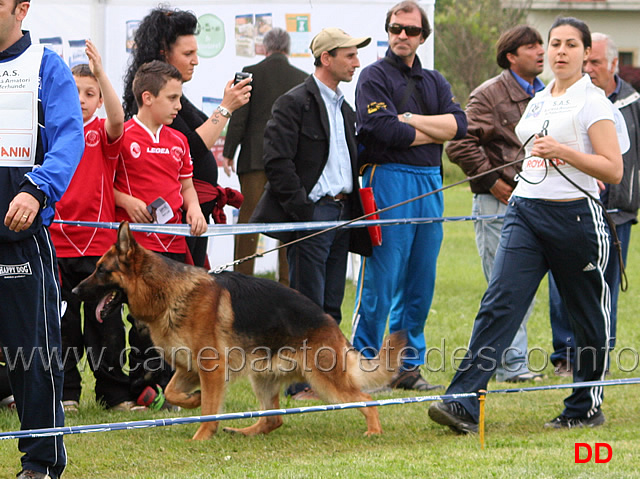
412	380
454	415
562	422
28	474
563	368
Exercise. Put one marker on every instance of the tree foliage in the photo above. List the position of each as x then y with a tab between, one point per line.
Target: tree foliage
466	32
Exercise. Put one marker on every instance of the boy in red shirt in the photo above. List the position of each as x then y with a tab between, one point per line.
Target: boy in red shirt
155	167
90	198
155	163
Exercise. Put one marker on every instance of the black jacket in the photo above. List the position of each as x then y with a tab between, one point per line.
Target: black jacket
272	77
296	149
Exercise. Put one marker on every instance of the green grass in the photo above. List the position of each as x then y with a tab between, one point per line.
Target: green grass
331	444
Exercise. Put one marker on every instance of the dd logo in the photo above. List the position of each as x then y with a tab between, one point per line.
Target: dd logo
598	457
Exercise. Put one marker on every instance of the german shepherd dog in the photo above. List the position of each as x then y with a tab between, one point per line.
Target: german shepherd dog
215	327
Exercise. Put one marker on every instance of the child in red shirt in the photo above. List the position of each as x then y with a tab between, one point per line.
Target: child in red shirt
89	197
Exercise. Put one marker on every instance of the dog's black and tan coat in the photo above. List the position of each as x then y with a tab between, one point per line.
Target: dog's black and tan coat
214	327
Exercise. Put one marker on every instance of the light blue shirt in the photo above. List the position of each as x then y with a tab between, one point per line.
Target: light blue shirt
528	87
336	177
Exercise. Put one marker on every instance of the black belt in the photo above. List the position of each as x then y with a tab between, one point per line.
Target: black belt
337	198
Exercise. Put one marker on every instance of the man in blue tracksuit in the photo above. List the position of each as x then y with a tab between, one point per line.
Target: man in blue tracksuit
404	115
41	143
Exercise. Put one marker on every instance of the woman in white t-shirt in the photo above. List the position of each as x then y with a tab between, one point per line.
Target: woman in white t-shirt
551	224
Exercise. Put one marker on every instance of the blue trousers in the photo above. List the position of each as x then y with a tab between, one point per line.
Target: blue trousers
318	265
397	282
30	336
514	362
563	340
539	236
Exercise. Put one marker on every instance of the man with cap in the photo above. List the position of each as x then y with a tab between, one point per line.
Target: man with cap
310	159
404	115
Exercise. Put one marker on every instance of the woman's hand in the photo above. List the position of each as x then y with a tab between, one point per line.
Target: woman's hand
236	95
546	147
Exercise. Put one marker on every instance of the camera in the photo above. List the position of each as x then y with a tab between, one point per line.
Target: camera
241	76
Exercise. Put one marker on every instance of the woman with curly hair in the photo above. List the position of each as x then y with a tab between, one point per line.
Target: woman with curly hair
170	36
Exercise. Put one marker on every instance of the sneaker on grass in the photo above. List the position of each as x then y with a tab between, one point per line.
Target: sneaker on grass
454	415
564	422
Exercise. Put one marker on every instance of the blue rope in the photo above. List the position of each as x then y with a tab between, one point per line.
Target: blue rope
118	426
143	424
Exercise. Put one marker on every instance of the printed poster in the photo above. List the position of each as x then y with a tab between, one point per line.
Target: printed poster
132	27
299	27
244	35
263	23
55	44
77	55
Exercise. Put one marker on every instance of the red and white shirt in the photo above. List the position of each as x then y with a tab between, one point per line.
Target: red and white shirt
152	166
89	197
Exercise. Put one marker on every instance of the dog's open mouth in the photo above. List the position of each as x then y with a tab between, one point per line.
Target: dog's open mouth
109	303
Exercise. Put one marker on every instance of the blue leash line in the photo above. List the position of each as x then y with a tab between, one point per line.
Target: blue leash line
143	424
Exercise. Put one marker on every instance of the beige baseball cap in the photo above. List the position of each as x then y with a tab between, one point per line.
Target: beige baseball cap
330	38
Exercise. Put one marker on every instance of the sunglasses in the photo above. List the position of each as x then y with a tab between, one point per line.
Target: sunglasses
410	30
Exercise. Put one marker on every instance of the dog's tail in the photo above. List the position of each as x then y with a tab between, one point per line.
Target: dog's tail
378	371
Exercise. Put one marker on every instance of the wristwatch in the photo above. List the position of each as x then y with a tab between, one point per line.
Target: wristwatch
223	111
407	116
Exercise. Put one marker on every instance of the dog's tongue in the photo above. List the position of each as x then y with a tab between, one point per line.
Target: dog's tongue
100	307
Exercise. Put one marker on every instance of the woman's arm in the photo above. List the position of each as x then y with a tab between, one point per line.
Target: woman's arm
604	164
234	97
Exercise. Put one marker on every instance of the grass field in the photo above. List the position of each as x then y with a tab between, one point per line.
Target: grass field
331	444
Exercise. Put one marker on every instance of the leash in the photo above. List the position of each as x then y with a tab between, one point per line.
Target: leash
624	284
223	267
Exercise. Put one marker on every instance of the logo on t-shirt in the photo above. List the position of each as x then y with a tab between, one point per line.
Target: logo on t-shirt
135	150
177	153
92	138
535	110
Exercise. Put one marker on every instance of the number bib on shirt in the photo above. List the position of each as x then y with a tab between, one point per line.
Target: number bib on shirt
19	81
559	117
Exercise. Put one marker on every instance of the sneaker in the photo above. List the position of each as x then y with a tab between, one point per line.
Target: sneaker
70	406
29	474
562	422
412	380
454	415
525	377
9	402
563	369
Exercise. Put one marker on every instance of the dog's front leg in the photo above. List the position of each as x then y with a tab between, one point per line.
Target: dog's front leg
212	386
180	390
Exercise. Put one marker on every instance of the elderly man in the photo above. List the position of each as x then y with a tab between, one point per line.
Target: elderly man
602	67
271	78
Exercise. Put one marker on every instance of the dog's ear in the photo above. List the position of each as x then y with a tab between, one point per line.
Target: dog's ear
125	238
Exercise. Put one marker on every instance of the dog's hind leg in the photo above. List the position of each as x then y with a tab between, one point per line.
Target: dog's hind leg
267	390
336	387
180	390
212	386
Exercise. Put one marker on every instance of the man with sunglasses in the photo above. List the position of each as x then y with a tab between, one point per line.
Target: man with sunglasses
493	111
404	115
